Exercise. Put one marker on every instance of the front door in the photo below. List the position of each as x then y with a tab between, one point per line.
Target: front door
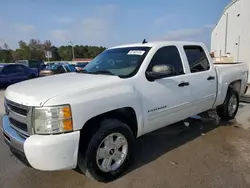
167	100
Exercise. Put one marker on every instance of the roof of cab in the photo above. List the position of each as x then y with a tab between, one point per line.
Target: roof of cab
155	43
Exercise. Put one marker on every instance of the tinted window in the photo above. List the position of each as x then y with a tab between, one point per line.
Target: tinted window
60	69
10	69
71	68
197	58
20	68
34	64
168	55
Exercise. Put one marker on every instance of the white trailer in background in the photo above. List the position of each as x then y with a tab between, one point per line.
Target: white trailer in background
231	35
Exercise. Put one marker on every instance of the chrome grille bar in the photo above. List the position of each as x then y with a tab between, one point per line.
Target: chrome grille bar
19	116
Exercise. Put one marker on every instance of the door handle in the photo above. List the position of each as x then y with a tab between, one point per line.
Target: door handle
211	78
183	84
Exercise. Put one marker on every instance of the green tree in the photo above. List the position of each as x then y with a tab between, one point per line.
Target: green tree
23	51
47	45
34	49
5	56
55	54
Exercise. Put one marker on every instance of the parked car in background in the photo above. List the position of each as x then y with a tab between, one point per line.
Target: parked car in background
13	73
56	68
33	64
80	65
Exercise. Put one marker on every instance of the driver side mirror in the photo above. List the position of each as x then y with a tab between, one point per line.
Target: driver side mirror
160	71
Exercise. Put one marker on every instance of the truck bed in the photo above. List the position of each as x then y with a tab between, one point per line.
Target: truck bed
228	73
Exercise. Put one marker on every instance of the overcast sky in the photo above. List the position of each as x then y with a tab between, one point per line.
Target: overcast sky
109	22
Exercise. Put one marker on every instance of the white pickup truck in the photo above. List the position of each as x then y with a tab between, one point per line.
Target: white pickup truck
90	120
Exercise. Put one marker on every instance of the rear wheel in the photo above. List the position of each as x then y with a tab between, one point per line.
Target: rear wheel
229	108
109	151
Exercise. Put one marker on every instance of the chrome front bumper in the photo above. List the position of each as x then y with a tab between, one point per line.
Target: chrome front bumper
11	136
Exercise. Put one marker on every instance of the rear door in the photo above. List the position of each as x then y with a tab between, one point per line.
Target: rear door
202	78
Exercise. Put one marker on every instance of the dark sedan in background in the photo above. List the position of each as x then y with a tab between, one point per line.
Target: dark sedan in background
56	68
13	73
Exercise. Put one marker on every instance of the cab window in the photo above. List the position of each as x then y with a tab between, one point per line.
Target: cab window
197	59
168	55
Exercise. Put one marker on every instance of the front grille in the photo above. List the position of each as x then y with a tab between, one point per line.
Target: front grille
18	124
18	110
18	116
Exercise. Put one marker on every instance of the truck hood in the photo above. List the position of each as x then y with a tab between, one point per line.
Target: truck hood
37	91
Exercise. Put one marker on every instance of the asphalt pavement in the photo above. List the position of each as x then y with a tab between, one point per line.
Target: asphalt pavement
208	153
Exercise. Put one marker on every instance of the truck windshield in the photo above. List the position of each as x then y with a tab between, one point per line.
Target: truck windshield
122	62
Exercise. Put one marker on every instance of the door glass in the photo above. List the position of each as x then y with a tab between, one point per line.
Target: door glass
10	69
60	69
34	64
67	68
197	58
168	55
20	68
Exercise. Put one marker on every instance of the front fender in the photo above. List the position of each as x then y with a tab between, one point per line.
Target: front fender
90	103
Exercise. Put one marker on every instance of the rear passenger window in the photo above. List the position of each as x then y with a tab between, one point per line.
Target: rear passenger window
168	55
21	68
9	69
197	58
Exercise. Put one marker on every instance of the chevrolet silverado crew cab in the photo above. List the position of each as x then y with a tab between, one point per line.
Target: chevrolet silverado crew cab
90	120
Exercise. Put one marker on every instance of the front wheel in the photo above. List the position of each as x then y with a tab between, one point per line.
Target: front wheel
229	109
108	152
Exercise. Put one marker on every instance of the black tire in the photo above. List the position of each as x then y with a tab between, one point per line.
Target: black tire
31	76
223	110
87	163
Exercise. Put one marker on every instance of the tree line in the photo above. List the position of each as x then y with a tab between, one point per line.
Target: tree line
35	50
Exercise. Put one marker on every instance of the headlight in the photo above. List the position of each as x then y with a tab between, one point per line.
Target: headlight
50	120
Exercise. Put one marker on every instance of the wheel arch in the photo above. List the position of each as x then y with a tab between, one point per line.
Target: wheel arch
126	115
235	85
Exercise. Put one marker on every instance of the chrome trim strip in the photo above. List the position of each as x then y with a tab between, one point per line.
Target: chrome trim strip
24	133
16	104
29	121
14	139
19	117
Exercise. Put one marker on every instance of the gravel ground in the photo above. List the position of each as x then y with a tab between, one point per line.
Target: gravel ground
207	154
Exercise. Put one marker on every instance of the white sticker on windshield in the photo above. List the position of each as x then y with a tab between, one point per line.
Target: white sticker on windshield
136	52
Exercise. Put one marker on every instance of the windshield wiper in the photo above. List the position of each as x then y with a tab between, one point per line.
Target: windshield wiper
97	72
